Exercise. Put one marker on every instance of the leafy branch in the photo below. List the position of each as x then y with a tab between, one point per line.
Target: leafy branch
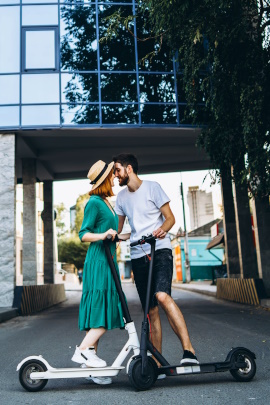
118	21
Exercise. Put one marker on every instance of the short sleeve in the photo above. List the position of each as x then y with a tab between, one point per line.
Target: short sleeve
118	207
89	218
159	196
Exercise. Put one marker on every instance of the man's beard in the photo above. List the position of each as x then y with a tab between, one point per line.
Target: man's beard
123	181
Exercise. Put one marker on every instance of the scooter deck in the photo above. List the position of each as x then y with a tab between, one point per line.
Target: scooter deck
200	368
75	372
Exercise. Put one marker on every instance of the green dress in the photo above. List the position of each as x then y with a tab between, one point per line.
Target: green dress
100	304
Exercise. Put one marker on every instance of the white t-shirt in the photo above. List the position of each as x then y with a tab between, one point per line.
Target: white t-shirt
142	208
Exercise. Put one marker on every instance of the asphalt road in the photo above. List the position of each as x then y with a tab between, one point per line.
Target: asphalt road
215	326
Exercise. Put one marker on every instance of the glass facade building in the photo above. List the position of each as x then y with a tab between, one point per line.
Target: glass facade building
55	72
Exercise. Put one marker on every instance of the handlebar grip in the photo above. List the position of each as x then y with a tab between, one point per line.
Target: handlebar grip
143	240
109	237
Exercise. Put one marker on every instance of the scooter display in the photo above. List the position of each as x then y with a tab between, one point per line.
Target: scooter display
143	370
35	371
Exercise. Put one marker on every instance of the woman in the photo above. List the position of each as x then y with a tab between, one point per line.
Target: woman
100	307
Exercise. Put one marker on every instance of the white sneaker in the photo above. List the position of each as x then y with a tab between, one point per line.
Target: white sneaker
161	376
88	357
100	380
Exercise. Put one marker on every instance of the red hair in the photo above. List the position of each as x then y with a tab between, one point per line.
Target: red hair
105	188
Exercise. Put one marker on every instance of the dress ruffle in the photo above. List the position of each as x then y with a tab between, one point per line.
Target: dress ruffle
100	308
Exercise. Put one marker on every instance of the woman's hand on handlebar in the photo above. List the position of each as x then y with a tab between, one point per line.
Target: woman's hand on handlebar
111	232
159	233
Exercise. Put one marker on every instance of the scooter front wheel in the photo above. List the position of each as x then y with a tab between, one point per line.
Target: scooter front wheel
139	381
244	374
26	381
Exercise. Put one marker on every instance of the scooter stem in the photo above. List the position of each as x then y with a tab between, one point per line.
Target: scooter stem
125	309
145	325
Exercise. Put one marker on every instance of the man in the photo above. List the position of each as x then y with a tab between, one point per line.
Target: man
148	210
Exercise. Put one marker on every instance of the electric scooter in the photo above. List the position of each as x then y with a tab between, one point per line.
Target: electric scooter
35	371
143	370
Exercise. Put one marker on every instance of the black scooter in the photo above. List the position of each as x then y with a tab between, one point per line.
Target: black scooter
143	370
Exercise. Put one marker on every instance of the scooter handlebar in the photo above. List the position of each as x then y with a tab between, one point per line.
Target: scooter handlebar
109	237
143	240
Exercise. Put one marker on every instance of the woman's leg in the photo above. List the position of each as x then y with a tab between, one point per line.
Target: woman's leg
91	338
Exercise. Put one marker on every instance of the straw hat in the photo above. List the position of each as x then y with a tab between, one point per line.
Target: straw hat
98	173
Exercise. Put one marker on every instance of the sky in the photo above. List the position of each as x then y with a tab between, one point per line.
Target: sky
67	192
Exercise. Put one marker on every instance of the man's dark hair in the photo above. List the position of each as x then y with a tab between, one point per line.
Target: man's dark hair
126	159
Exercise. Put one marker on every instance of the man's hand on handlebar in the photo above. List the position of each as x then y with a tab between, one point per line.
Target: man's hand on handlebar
159	233
124	236
145	239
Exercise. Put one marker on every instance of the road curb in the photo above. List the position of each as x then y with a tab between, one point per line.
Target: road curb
7	313
265	303
195	289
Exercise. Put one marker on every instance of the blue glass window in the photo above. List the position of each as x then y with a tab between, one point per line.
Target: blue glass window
118	87
157	88
54	71
120	114
78	38
119	52
9	116
79	88
9	89
35	115
9	1
39	15
80	114
39	49
40	88
38	1
158	114
9	39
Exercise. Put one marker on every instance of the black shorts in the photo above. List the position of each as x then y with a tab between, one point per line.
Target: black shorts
162	275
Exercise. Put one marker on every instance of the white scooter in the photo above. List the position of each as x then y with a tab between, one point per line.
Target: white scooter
35	371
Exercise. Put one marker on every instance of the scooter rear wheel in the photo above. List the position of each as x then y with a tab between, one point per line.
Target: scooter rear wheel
244	374
28	383
140	382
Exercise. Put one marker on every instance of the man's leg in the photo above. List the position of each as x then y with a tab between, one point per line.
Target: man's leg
176	319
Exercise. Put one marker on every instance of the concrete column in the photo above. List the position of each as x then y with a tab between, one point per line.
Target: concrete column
47	217
230	235
7	219
247	255
261	220
29	222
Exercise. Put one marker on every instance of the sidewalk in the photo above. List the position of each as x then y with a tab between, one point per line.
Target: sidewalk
202	287
205	287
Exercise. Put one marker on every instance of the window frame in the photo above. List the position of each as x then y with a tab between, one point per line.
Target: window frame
54	28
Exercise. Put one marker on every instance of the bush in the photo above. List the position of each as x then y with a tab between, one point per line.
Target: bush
72	250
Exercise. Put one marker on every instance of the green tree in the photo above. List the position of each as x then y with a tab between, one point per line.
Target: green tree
224	61
80	204
60	219
71	250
